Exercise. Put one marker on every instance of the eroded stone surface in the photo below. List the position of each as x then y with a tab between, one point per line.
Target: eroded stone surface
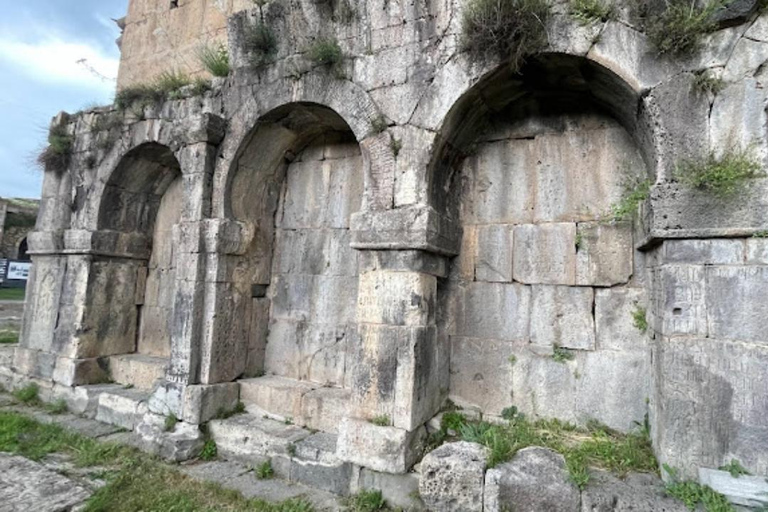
452	477
28	485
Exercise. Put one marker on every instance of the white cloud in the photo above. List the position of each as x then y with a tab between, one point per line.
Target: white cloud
57	61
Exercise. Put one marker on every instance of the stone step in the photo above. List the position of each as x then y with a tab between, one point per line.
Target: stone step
300	402
122	407
137	370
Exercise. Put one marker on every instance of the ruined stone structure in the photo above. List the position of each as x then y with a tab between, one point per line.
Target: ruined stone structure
17	219
273	242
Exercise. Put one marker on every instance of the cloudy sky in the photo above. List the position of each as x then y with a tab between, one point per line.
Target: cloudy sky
41	42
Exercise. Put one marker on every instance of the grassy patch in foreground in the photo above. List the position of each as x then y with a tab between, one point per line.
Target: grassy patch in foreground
12	293
135	481
595	446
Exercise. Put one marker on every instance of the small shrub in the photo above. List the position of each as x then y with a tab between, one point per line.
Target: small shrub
706	83
57	153
693	494
265	471
639	319
325	51
735	469
215	58
679	28
209	450
509	30
635	193
379	124
28	394
395	145
381	421
720	176
170	422
561	355
590	11
367	501
260	43
57	407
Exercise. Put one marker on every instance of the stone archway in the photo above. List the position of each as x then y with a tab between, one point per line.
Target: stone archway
537	308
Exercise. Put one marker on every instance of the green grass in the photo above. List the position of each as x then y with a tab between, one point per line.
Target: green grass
561	355
680	27
452	420
9	337
381	421
696	496
721	176
264	471
215	58
223	414
261	44
735	469
367	501
135	481
28	394
507	30
12	293
170	422
57	406
325	51
57	153
591	11
635	193
166	86
705	82
593	446
209	451
639	319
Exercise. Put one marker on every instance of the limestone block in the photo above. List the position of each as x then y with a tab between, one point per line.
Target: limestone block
535	479
334	478
42	302
452	477
138	370
76	372
276	395
122	407
345	187
679	299
291	296
493	310
614	324
202	403
638	492
745	490
225	333
463	265
167	398
83	400
737	303
398	490
396	298
545	254
257	336
415	261
314	251
704	252
757	251
323	408
738	118
244	437
29	485
563	317
747	58
494	254
386	449
182	443
320	447
481	373
709	404
605	254
34	363
333	299
306	195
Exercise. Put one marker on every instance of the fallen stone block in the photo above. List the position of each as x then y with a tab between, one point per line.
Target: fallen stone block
452	477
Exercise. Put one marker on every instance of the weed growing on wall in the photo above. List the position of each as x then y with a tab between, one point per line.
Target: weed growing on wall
215	58
509	30
209	451
591	11
264	471
325	51
705	82
639	319
381	421
57	153
562	355
721	176
366	501
735	469
9	337
167	86
680	27
395	145
693	494
635	193
379	123
170	422
260	44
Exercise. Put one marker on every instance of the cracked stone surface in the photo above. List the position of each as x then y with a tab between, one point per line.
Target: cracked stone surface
27	485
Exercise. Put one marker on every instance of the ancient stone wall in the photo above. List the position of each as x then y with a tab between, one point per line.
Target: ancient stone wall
18	220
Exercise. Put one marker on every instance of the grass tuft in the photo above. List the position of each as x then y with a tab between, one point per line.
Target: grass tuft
635	193
170	422
215	58
379	124
723	176
29	394
325	51
260	43
509	30
680	27
735	469
561	355
57	153
209	451
395	145
381	421
693	494
452	420
707	83
264	471
591	11
366	501
639	319
57	407
167	86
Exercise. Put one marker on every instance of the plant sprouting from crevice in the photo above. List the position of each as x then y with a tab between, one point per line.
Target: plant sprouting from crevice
723	176
57	154
215	58
680	27
260	41
636	191
706	82
508	30
326	52
591	11
639	319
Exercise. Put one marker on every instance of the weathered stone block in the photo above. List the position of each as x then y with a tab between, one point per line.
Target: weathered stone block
614	323
403	261
387	449
493	310
324	408
704	252
138	370
737	303
641	492
545	254
182	443
202	403
563	317
245	437
452	477
398	490
122	407
276	395
678	304
757	251
493	262
535	479
745	490
604	256
396	298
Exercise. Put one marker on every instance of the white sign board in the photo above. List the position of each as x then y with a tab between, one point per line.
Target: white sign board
18	270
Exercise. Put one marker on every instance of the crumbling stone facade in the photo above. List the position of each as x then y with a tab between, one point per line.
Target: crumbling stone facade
17	219
265	242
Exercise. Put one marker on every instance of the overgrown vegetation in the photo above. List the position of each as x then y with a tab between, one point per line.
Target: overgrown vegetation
591	11
264	471
325	51
635	193
509	30
694	494
680	27
170	422
707	83
593	446
209	451
28	394
379	124
561	355
639	319
57	153
167	86
381	421
721	176
260	43
366	501
8	337
735	469
215	58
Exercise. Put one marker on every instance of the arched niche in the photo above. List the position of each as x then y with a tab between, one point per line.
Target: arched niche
297	180
141	202
537	308
22	251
